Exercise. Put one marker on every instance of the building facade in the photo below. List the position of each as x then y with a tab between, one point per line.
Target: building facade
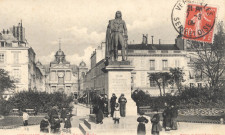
18	59
61	76
146	59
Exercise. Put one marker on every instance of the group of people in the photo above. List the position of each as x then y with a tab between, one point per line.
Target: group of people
118	109
53	121
169	115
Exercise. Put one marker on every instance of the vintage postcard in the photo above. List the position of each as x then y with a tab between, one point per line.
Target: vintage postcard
108	67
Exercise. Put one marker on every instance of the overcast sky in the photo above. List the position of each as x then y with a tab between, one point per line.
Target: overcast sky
81	24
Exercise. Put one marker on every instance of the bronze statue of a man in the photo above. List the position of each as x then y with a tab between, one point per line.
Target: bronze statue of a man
116	35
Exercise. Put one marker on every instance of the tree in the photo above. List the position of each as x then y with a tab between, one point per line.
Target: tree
177	75
210	58
166	78
156	77
5	81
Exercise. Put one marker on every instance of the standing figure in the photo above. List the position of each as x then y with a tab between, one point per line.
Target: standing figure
106	111
52	113
99	116
55	125
44	125
174	114
122	101
116	115
113	103
25	119
156	127
63	114
116	36
141	126
68	125
167	118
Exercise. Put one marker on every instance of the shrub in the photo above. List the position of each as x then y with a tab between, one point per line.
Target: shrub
188	98
40	101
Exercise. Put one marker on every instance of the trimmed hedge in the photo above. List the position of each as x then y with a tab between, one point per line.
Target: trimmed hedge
40	101
189	98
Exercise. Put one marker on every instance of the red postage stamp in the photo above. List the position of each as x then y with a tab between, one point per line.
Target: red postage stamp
199	23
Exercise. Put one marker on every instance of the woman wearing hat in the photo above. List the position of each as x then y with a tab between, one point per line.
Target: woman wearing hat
156	127
44	125
141	126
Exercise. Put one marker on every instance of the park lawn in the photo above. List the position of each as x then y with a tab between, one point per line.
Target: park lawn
195	119
18	121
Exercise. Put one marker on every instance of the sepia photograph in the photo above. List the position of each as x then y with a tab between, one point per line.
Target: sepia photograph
112	67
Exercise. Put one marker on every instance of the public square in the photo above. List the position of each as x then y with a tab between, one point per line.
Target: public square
183	127
112	67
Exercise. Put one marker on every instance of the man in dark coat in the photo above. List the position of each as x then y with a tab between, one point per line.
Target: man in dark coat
141	126
63	114
174	115
113	103
167	117
122	101
99	116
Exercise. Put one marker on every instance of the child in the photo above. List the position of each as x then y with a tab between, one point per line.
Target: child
44	125
25	119
68	125
141	126
116	115
156	127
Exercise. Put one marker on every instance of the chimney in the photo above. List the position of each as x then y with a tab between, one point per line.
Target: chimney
159	41
145	39
152	39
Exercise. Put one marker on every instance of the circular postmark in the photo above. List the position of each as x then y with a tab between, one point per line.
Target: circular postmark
193	20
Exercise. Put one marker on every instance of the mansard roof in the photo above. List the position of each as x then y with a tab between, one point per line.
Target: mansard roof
153	47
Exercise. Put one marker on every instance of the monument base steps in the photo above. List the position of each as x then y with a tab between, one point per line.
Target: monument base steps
127	125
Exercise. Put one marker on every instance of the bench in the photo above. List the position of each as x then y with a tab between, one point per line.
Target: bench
145	109
15	112
30	111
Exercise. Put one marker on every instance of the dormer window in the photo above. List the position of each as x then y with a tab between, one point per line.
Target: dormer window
2	44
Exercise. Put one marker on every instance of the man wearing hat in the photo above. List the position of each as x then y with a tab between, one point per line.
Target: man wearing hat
122	101
113	103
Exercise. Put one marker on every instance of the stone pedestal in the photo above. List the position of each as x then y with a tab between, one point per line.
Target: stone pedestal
118	75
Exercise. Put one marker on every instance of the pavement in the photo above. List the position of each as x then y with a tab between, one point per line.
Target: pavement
82	112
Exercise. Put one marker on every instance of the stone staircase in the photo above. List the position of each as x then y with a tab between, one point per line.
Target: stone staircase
127	125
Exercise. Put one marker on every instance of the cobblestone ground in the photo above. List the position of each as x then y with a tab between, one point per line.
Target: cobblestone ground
184	128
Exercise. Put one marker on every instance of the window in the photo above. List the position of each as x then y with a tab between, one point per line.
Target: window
152	83
191	85
152	64
2	57
164	64
2	44
177	63
68	76
68	88
16	58
199	85
53	88
16	75
61	80
53	76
